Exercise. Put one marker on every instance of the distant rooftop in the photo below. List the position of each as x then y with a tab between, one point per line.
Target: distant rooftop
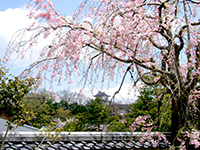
102	95
25	128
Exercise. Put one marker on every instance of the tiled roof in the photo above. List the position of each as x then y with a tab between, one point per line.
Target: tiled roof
93	145
3	127
78	141
29	138
101	94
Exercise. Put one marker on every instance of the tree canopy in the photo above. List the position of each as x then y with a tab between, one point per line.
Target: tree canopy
153	40
12	91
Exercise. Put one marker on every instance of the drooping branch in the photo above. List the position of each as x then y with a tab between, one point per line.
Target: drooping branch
89	67
36	63
122	82
188	38
176	9
187	26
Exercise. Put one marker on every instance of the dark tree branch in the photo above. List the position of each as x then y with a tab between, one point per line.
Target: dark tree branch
193	1
156	45
141	63
141	77
127	70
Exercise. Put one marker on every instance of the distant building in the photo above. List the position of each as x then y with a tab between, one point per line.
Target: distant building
117	108
103	96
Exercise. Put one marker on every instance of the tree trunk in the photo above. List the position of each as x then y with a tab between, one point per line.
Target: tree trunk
4	115
179	117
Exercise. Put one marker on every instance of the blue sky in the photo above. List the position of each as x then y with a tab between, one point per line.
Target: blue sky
13	16
65	7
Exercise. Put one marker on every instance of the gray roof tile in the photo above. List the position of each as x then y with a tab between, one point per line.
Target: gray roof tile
79	141
3	127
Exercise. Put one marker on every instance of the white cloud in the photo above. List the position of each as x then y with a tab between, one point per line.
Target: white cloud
13	20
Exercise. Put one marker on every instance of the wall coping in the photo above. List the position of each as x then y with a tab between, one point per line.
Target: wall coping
72	136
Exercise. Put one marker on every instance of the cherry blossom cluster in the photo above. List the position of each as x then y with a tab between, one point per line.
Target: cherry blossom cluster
70	40
123	118
194	137
191	137
130	25
158	41
145	124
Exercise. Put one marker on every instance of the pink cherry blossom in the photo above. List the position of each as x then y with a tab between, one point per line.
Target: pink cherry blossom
111	39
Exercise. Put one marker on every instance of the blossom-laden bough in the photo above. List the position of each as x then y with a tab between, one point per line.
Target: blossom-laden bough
153	40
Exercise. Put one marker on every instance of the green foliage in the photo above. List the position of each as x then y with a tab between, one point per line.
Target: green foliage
43	106
63	114
152	101
97	113
73	126
115	124
90	117
77	109
145	105
64	104
12	91
43	115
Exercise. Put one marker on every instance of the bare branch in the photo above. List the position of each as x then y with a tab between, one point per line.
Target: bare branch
193	1
111	55
187	26
140	63
127	70
156	45
152	82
